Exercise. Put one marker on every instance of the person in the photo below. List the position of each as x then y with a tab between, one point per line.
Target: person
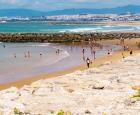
15	55
58	51
4	46
111	51
108	52
122	41
123	55
29	54
25	55
88	62
40	55
124	47
83	51
94	53
131	52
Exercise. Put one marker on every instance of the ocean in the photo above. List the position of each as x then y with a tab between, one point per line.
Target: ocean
49	27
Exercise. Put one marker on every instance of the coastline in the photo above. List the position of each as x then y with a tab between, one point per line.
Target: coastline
97	62
103	22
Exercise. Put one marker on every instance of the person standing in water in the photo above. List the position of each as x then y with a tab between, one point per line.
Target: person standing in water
4	46
29	54
57	51
83	51
94	52
40	55
25	55
88	62
15	55
108	52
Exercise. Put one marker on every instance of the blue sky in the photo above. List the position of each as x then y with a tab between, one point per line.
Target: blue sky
47	5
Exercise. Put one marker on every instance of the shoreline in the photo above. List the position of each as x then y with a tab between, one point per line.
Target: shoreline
106	89
97	62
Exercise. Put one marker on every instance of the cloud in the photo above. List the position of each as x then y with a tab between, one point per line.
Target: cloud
12	2
64	4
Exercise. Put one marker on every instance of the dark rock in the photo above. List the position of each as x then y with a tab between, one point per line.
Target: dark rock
87	112
63	37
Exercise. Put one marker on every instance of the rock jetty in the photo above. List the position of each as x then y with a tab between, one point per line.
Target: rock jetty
63	37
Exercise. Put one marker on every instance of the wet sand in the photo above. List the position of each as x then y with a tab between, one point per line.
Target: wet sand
97	62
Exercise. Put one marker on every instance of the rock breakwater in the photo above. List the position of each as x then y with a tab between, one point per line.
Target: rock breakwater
63	37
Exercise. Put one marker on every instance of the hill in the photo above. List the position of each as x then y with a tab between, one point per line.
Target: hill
28	12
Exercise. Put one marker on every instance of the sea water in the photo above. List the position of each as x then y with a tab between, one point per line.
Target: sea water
49	27
23	60
18	58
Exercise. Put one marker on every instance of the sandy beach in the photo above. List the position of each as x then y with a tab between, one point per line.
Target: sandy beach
103	89
116	56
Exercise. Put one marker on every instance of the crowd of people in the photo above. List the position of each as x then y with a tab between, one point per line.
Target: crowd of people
92	45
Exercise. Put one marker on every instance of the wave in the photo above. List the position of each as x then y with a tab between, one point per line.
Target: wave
40	45
63	54
82	30
107	28
118	30
2	21
137	27
34	45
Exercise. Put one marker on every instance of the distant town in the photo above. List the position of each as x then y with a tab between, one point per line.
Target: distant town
78	17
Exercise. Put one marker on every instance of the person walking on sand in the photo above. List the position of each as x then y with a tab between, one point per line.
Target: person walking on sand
88	62
131	52
123	55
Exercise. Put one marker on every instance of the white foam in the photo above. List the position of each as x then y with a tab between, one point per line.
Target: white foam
41	45
82	30
37	45
137	27
106	28
109	26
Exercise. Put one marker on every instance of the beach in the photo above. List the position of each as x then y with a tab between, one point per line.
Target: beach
33	59
101	59
69	57
103	89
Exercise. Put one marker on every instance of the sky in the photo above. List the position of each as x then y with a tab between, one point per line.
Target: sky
49	5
